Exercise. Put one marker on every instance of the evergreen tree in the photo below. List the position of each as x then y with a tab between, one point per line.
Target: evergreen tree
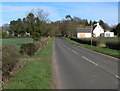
104	25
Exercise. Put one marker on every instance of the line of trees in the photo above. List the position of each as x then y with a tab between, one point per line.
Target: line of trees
68	25
116	29
33	23
36	23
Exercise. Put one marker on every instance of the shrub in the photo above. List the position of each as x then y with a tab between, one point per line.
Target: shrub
87	41
113	45
9	58
30	48
4	34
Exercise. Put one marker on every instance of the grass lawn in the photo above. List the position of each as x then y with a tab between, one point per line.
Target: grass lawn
17	42
103	50
37	73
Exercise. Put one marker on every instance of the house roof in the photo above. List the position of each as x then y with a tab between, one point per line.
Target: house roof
107	30
84	30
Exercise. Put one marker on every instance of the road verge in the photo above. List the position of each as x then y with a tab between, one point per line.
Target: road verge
107	51
37	74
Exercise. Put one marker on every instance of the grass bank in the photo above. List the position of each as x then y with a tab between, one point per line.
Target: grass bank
107	51
37	73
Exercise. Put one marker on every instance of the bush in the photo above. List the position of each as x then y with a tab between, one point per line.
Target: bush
31	48
113	45
4	34
9	58
87	41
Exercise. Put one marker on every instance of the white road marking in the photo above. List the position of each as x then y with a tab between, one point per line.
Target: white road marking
70	48
90	61
101	67
75	52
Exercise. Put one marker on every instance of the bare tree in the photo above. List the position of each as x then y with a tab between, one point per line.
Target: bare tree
42	15
5	27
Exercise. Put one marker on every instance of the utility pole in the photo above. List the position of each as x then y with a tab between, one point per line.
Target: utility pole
91	33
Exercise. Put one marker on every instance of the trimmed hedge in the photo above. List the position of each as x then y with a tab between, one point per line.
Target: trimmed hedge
87	41
9	58
113	45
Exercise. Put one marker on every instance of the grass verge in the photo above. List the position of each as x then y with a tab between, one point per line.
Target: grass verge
107	51
37	73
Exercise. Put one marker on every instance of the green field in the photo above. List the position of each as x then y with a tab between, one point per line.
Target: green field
37	74
17	42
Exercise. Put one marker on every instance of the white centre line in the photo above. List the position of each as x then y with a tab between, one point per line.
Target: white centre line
90	61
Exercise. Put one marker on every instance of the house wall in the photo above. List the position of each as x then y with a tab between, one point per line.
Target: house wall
98	30
83	35
109	34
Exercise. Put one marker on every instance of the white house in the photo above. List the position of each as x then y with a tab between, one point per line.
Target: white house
108	34
98	30
28	34
7	32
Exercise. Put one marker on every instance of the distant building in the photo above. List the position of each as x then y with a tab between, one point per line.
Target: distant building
108	34
26	33
98	31
13	34
7	32
84	32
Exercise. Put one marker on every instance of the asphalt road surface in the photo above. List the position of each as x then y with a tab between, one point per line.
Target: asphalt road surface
79	68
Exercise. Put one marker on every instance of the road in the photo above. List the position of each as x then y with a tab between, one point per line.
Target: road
79	68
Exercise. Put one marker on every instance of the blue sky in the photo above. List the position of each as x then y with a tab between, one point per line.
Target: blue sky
107	11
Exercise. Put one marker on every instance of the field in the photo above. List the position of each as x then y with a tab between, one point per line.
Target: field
17	42
37	73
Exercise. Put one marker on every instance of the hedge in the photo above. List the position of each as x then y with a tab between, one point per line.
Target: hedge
31	48
87	41
9	58
113	45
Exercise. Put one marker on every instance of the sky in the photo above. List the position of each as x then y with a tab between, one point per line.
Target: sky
61	0
106	11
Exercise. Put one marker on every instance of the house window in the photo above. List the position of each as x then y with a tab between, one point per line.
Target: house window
107	34
82	35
